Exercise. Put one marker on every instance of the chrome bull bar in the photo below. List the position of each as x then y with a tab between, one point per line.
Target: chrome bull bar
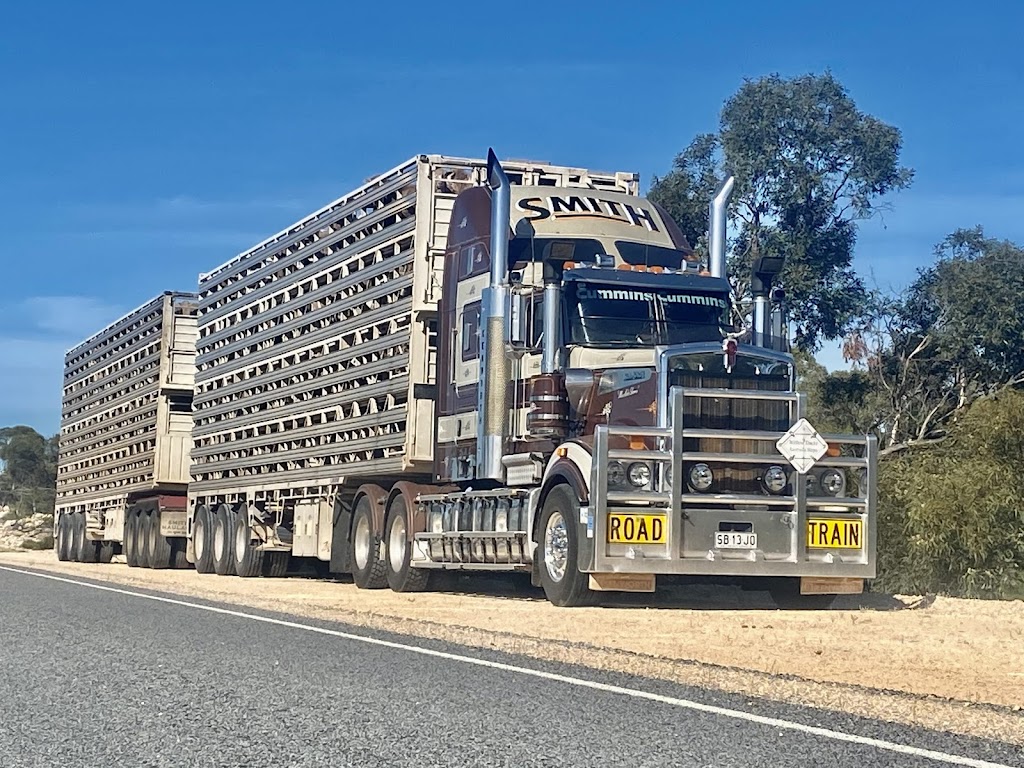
691	517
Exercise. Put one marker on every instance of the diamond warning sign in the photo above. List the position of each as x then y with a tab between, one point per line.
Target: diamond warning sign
802	446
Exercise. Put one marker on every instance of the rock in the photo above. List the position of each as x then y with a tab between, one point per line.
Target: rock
14	534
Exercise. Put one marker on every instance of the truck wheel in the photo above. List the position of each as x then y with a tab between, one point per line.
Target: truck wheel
143	532
202	539
275	564
368	569
75	532
106	552
786	594
84	550
248	559
158	547
180	559
63	543
90	551
130	551
401	576
223	541
557	550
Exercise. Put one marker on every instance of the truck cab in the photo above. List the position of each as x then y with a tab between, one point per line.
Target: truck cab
593	390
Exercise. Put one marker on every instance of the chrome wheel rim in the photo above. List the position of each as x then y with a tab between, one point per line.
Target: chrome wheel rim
361	543
556	547
396	544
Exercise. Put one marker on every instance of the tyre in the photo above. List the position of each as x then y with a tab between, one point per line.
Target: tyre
202	539
158	547
130	552
140	543
248	559
75	532
368	569
401	576
223	541
63	541
180	560
90	550
83	550
558	548
786	594
106	552
275	564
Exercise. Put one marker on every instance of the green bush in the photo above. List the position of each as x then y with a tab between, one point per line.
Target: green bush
44	543
952	514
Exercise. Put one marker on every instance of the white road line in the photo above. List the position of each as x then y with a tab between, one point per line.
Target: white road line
696	706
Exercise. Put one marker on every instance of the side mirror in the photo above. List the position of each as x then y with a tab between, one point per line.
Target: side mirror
519	313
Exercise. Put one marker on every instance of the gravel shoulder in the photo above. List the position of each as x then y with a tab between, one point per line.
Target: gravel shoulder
947	664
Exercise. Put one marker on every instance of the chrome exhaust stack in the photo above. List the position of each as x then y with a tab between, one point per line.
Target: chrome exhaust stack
716	230
492	392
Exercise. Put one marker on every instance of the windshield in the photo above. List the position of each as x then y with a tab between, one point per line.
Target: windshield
610	315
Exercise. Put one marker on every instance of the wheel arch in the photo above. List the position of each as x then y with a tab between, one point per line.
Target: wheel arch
571	468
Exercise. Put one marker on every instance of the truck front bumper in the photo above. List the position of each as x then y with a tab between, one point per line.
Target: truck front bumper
792	535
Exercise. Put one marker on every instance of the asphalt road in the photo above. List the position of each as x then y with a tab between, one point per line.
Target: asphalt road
108	677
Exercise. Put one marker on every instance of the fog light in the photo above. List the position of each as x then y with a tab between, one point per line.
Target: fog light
833	482
616	474
775	479
639	474
701	477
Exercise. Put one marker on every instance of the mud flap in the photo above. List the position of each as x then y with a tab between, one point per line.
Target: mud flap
825	585
622	582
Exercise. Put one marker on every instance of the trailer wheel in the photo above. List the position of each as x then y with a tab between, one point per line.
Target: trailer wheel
63	543
275	564
180	559
143	533
223	541
786	594
131	555
202	539
401	576
84	549
158	547
106	552
248	559
368	568
76	531
557	550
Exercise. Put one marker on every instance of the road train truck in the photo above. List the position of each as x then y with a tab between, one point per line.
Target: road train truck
465	365
473	366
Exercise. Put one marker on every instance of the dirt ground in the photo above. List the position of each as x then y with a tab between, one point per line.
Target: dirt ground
943	663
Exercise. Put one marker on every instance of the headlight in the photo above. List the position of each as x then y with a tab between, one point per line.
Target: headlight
775	479
701	477
639	474
833	482
616	473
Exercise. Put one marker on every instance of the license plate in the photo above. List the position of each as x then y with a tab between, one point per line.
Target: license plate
173	522
735	540
636	528
835	534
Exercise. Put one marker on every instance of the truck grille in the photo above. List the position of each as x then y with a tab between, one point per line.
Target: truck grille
733	414
730	413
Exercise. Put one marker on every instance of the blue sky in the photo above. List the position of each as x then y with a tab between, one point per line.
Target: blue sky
143	144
